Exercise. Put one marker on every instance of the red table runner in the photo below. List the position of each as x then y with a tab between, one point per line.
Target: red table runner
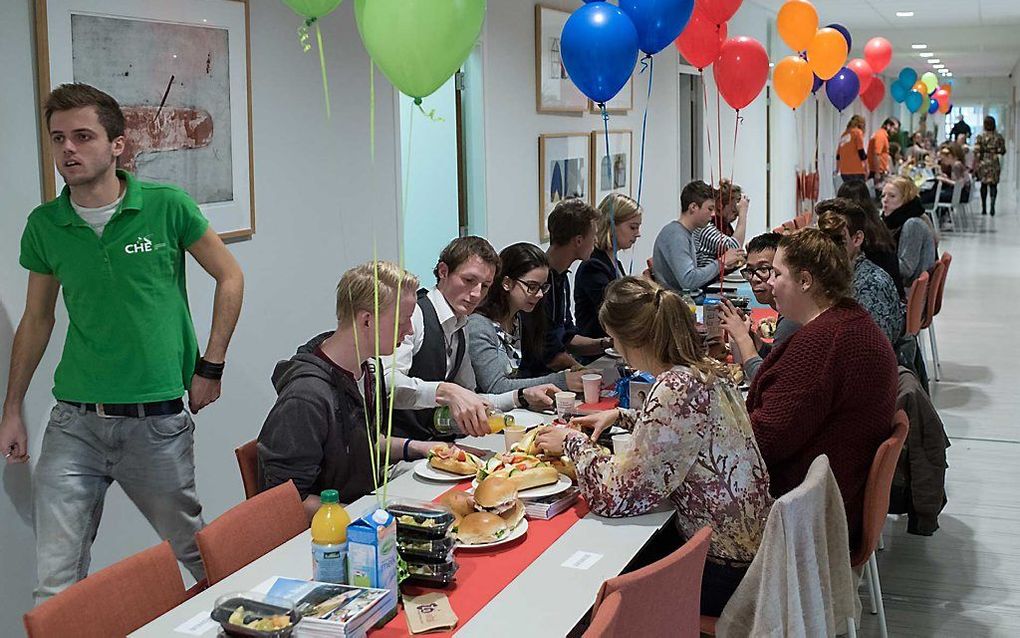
482	573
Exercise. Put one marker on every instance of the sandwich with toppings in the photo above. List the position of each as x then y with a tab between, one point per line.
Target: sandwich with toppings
451	458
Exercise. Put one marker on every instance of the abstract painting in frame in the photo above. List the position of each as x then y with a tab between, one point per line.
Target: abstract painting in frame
554	92
181	73
612	173
563	167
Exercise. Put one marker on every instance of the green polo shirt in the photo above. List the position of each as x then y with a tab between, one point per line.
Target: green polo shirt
130	338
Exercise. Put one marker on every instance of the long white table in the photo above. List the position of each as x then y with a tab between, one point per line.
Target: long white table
551	596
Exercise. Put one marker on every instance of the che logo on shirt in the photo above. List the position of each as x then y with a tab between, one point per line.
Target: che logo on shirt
142	245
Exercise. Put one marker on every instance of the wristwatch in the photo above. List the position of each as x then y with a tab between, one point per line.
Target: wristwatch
521	401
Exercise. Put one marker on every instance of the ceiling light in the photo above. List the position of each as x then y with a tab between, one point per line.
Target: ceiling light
918	46
904	14
926	54
933	60
939	66
949	75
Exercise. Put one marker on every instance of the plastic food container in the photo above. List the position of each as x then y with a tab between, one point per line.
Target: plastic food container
425	550
256	607
427	520
431	574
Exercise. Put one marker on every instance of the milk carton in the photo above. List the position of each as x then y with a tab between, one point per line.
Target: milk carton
372	551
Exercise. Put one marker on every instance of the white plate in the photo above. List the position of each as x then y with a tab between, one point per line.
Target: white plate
426	471
613	354
515	533
530	419
734	278
562	483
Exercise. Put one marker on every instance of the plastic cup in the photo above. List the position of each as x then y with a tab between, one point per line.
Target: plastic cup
592	387
622	444
512	434
565	404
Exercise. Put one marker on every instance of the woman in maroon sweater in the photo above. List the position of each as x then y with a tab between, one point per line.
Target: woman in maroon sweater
831	387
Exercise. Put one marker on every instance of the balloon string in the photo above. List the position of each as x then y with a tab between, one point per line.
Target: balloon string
719	219
812	193
718	127
322	65
708	130
609	164
371	109
644	123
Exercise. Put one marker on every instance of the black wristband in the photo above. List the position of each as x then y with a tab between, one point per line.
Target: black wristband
407	442
207	370
521	401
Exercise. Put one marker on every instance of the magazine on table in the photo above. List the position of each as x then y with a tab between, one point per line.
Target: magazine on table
546	507
328	609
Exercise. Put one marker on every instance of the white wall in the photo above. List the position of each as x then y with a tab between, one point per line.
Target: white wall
319	201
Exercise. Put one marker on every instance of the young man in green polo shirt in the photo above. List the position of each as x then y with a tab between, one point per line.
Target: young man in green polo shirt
116	246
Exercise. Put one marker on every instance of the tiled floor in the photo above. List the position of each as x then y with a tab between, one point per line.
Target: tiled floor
965	580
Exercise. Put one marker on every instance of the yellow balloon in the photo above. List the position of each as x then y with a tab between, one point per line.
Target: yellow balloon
797	23
791	78
930	82
827	52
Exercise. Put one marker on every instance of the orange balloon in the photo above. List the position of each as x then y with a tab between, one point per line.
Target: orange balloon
921	88
827	53
792	80
797	22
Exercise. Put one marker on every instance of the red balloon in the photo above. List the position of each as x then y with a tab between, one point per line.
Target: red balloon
701	40
863	71
878	53
874	95
718	10
942	97
741	70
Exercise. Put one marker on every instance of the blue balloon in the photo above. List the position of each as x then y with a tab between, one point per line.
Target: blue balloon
817	83
914	100
599	47
843	88
846	34
933	107
658	22
908	77
898	92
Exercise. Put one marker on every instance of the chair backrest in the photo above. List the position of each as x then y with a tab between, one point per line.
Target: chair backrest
248	462
876	491
957	193
938	194
113	601
605	622
250	530
935	281
663	598
947	259
915	304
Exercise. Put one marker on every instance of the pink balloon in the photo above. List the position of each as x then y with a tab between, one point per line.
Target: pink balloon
863	71
741	71
878	53
720	11
701	40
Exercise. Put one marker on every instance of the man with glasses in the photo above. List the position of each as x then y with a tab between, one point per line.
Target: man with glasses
432	368
749	350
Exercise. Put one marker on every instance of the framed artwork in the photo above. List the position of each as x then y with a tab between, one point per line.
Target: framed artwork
563	165
612	173
621	102
181	73
554	92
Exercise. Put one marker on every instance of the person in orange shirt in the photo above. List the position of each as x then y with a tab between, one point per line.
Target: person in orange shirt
851	157
878	150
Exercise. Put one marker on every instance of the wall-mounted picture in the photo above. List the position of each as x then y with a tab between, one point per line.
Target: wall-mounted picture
611	172
621	103
181	75
554	92
563	172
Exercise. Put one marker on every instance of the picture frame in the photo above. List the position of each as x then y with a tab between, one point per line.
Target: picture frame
554	92
564	161
621	103
615	176
182	75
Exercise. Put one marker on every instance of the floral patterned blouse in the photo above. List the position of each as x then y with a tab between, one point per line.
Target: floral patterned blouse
693	444
875	291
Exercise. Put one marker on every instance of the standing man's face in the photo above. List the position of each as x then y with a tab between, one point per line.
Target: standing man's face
82	151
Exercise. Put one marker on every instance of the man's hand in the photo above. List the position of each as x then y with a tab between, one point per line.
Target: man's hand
468	410
574	383
540	397
733	258
13	437
742	206
203	392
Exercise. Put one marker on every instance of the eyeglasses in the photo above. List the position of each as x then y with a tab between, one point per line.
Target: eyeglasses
533	288
762	272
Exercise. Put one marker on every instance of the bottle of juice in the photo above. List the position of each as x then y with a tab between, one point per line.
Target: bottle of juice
329	540
498	420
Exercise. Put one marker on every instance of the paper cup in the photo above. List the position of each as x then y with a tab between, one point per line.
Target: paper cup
622	444
565	404
592	387
512	434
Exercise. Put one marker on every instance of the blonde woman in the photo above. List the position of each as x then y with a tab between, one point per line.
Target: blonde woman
622	215
852	154
910	227
692	440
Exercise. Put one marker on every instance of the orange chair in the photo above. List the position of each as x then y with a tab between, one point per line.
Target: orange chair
248	463
113	601
662	599
916	297
876	508
605	622
250	530
936	288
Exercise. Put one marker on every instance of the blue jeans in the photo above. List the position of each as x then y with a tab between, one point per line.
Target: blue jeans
151	458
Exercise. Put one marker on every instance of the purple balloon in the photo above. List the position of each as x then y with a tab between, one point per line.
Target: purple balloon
818	82
843	88
846	34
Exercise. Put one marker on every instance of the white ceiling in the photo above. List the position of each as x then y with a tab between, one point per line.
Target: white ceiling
973	38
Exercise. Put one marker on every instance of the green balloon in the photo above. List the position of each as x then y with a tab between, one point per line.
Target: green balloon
313	8
419	44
